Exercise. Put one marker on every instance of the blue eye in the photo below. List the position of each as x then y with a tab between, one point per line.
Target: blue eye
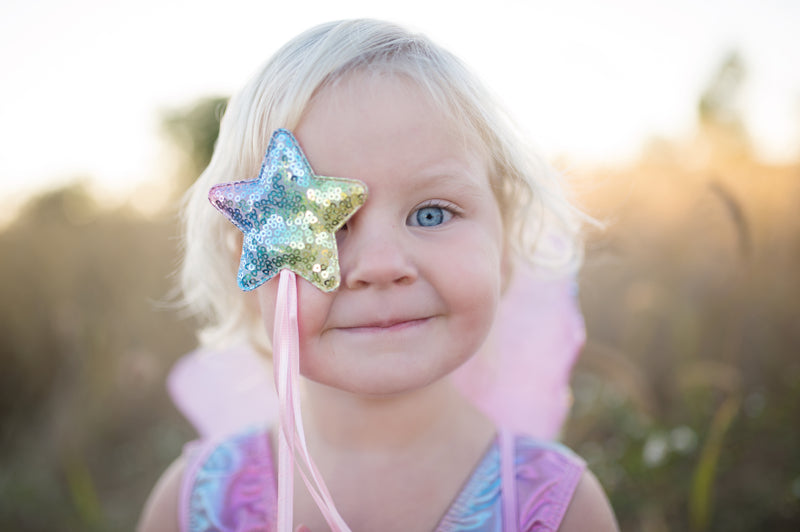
430	216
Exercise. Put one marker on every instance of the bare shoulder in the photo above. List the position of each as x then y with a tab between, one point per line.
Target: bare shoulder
160	512
589	509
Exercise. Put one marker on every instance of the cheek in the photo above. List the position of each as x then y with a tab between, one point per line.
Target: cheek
477	259
477	297
267	295
313	306
471	281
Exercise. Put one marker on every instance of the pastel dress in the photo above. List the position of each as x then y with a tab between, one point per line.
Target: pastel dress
230	486
520	380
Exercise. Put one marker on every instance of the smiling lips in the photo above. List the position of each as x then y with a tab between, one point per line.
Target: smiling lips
389	325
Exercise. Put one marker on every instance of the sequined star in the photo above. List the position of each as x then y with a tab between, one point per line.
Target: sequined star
289	216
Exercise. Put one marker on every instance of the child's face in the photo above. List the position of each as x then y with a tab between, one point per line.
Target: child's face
421	261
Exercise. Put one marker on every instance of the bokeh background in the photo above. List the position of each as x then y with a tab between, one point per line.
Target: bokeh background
679	123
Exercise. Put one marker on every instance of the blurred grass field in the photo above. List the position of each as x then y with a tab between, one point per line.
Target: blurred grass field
686	398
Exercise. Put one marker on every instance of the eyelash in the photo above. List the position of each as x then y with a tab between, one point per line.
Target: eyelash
441	204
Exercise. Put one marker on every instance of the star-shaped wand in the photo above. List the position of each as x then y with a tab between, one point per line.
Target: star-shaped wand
289	216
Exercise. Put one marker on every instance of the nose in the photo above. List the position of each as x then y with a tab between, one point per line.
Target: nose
375	255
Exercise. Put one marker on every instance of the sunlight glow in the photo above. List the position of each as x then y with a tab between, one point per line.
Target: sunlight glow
84	83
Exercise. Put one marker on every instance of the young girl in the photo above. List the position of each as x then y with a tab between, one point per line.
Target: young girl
452	201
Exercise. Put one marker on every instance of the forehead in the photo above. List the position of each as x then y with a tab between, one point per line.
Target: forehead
363	87
367	115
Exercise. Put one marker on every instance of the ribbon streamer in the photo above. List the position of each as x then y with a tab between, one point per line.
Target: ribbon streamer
291	437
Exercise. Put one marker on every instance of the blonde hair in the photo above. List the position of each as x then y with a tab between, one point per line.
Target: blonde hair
540	222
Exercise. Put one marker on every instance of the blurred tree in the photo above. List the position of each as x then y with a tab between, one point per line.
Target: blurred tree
722	128
194	130
84	353
684	396
719	102
29	317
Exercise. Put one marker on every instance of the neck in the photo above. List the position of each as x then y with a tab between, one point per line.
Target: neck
371	449
347	422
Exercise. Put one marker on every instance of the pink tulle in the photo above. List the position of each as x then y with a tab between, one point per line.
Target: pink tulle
220	391
520	378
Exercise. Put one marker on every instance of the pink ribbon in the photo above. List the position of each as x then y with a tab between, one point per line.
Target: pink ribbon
291	438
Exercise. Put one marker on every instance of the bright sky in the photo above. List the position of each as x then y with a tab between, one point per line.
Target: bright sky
83	82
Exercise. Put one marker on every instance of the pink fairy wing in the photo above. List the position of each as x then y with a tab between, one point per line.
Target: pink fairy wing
520	378
222	391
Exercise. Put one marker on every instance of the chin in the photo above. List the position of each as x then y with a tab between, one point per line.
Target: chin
386	380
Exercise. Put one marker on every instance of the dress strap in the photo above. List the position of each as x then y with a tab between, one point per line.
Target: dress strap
508	481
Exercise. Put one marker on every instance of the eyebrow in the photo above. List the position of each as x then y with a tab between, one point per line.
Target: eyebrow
448	178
